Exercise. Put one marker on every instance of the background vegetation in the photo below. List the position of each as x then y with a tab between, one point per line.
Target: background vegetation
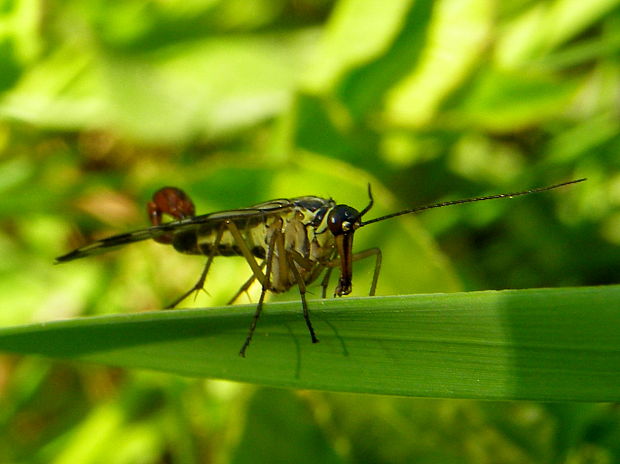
243	101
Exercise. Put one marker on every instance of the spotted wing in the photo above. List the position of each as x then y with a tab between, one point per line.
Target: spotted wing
236	215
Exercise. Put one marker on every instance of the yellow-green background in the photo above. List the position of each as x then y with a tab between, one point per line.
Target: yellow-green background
242	101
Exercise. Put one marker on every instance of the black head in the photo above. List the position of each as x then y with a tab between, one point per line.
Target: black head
343	219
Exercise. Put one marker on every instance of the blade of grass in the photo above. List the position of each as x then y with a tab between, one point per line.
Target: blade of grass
540	344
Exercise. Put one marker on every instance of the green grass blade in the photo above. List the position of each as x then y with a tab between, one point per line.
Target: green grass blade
541	344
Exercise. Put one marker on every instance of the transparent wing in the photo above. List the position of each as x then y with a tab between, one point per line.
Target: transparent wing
237	215
111	243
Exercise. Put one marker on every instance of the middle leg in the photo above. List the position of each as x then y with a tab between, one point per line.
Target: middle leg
302	293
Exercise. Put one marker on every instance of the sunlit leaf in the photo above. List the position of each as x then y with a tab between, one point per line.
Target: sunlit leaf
543	344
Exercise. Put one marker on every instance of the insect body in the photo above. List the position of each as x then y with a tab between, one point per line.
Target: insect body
286	242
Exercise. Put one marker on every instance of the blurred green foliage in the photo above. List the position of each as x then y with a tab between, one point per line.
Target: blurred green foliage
242	101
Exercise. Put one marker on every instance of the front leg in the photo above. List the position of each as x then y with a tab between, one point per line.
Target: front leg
376	252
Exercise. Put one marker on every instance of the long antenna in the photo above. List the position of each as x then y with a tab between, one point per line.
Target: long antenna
471	200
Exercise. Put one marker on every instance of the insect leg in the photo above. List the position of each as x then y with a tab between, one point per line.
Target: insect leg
326	277
325	282
259	306
201	281
356	257
375	276
245	286
247	254
302	293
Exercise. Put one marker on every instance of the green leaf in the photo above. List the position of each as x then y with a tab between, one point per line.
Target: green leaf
166	96
357	31
543	27
543	344
503	101
458	34
269	412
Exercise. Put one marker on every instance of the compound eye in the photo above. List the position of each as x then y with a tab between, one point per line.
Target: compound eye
343	219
